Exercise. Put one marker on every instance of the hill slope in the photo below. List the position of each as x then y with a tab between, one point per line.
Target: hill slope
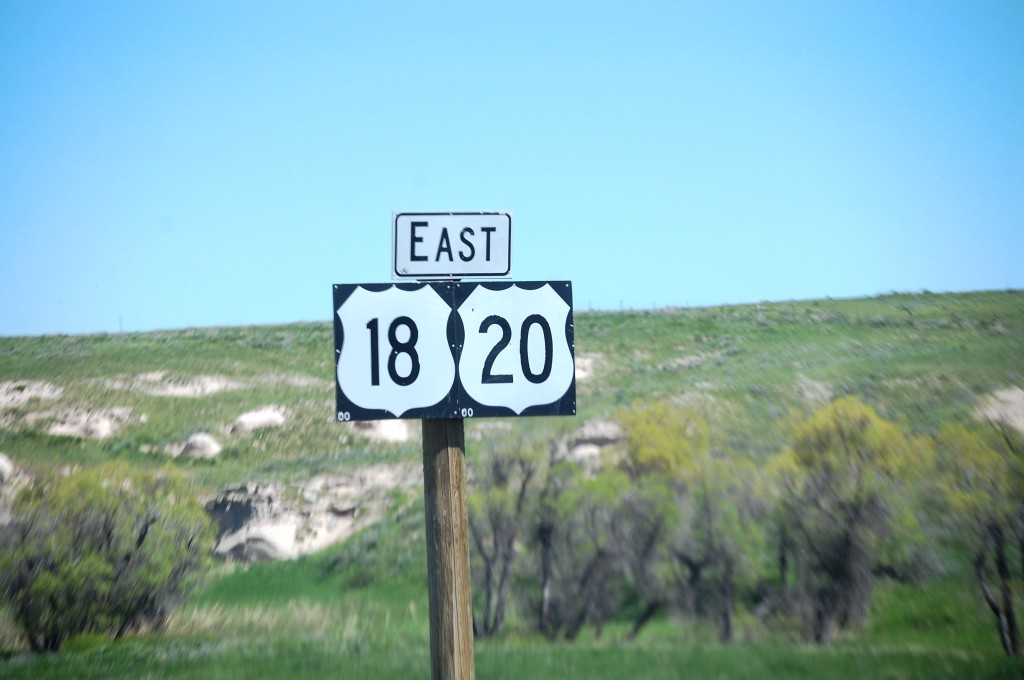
749	370
923	359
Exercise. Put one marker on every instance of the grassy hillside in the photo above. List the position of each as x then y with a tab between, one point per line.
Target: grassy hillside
920	360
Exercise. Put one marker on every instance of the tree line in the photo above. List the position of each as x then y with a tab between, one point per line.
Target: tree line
671	521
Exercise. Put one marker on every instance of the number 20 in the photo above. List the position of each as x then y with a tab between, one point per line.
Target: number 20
487	376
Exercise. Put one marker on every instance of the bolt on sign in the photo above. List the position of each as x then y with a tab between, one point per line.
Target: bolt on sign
454	350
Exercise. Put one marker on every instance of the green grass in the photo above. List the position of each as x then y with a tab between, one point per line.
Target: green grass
360	609
301	619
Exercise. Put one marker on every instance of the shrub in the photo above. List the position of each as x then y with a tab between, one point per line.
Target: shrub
103	551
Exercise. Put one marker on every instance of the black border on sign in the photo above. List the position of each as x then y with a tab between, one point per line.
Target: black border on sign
441	409
445	277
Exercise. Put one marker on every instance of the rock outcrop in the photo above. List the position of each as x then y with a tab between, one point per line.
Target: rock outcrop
18	393
598	433
272	521
12	480
6	469
201	445
89	424
1004	406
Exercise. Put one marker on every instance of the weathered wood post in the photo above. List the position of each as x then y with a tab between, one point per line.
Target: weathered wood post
444	489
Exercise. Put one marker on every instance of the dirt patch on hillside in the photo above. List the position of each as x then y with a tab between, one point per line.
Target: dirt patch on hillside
158	384
815	393
700	402
83	423
586	366
18	393
688	361
1004	406
304	382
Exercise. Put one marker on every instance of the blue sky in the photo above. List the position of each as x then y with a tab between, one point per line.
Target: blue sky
175	164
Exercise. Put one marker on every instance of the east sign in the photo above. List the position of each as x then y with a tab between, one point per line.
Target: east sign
454	350
452	245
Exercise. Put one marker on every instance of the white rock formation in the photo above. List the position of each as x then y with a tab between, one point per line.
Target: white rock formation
587	456
387	431
586	365
157	384
201	445
267	416
95	424
15	393
1004	406
272	521
11	482
6	468
599	433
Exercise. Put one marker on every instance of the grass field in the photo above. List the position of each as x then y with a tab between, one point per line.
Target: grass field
289	620
359	609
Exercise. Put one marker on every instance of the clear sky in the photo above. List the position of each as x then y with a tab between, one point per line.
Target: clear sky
175	164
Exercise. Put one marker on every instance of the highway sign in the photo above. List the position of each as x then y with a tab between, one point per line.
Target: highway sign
451	245
454	350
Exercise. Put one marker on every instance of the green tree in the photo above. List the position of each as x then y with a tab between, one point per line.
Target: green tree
664	448
587	584
689	527
982	483
503	481
103	551
718	548
573	546
847	507
645	514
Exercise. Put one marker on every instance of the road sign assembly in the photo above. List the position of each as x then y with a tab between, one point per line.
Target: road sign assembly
442	350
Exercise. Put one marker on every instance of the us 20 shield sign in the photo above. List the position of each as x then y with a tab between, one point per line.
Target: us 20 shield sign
454	350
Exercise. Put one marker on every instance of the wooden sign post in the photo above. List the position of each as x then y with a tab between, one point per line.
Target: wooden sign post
444	490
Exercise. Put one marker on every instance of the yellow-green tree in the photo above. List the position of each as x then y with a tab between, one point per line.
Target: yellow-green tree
982	483
662	441
846	503
692	534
